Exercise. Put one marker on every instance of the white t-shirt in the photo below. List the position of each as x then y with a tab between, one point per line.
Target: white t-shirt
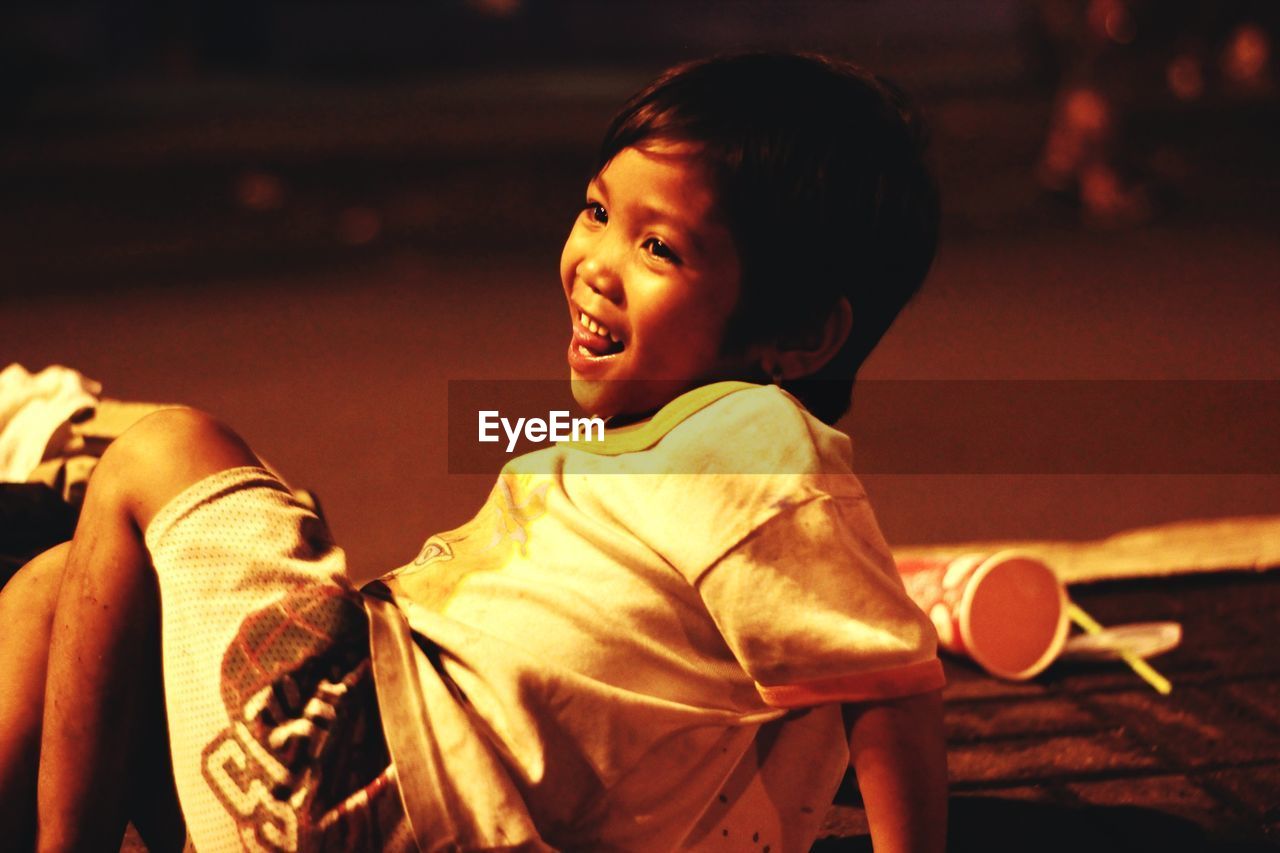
642	643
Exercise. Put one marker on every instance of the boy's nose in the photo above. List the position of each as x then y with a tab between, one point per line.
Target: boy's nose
600	274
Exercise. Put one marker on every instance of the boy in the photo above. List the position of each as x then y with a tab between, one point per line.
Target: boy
685	653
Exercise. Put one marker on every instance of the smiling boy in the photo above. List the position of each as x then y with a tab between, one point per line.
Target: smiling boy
679	637
651	282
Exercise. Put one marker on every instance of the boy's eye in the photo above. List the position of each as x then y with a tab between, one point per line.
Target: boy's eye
596	213
660	250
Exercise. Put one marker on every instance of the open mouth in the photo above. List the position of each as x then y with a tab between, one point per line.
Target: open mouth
593	338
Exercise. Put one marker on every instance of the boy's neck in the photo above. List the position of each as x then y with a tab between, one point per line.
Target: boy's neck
628	419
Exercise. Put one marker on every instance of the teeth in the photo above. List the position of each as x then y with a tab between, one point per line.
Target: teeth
594	327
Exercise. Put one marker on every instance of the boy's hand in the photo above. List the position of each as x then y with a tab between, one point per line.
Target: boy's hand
897	748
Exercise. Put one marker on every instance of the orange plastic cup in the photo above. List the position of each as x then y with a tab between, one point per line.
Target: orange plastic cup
1006	611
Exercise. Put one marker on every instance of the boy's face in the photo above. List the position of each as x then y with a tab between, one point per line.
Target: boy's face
651	276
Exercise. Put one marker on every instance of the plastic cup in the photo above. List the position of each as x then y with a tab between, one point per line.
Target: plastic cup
1006	611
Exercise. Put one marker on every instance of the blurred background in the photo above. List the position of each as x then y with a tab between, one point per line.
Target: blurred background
308	217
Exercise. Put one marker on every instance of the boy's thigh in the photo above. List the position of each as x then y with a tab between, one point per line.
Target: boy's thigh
274	726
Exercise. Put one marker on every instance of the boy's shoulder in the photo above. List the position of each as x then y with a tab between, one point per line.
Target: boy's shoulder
760	429
693	487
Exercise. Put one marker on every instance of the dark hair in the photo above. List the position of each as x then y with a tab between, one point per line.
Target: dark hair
822	181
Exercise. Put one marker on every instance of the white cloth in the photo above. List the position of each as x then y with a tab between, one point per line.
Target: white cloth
655	633
32	409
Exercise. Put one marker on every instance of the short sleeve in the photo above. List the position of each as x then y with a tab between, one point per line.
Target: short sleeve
812	607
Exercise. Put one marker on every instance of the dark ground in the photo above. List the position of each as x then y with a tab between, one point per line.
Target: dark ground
314	261
1088	757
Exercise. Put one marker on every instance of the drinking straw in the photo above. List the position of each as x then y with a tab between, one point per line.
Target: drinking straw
1144	670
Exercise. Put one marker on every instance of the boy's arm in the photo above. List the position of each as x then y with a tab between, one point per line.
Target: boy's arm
897	748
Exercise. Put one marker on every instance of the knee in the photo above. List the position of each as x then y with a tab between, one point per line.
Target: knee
161	439
169	429
164	453
34	589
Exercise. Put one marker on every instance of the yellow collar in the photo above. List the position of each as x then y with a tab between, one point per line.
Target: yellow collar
647	433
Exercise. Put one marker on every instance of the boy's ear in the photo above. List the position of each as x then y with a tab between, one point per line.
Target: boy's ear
795	359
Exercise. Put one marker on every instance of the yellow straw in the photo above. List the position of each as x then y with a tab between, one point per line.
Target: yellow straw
1144	670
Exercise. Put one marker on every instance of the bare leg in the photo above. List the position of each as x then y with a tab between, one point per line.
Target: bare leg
26	612
100	690
152	797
